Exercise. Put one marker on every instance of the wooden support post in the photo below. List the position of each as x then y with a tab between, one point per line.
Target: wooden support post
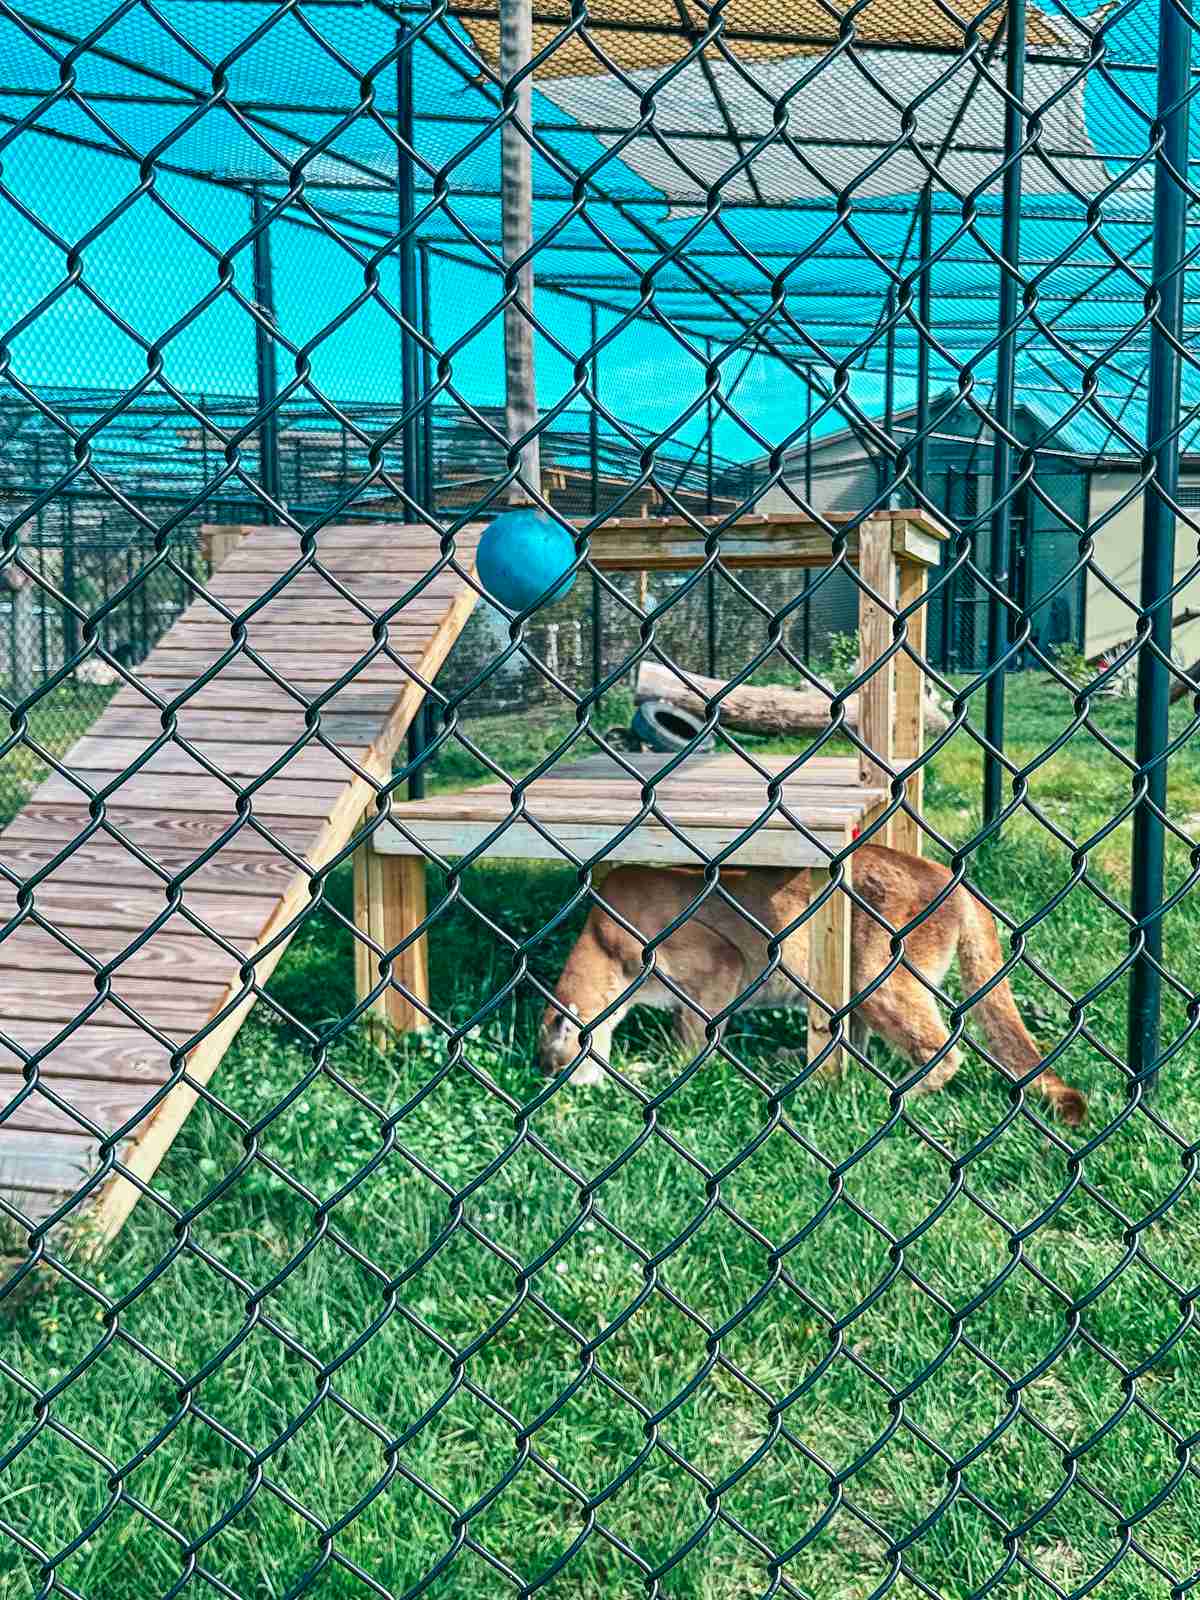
218	541
877	697
389	902
908	737
828	965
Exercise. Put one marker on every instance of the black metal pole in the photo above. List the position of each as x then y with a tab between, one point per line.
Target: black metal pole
808	490
406	210
427	459
1158	537
889	385
406	250
925	317
710	586
950	592
1004	406
594	458
266	373
808	438
70	622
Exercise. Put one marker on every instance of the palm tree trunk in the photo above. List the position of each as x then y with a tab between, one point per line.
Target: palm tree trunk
516	205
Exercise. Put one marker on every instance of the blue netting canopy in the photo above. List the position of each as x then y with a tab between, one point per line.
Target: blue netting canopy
741	183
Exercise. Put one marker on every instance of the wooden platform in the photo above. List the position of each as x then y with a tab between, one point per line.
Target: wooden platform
594	811
583	811
243	879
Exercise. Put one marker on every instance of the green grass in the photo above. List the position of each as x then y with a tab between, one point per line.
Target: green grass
389	1313
52	725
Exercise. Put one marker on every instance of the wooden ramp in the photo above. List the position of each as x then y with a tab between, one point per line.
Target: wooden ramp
112	1072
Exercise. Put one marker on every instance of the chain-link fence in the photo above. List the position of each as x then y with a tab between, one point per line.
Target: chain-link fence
466	1118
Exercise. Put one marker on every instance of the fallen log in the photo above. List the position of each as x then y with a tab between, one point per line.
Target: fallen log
766	709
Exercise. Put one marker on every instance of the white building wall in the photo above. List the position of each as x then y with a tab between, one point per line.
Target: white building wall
1111	618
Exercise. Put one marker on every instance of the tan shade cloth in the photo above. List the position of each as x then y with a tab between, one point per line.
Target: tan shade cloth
848	129
772	29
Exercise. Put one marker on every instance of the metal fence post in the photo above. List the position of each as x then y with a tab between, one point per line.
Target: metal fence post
426	429
70	622
925	317
594	457
808	440
1004	405
889	389
406	210
264	359
710	585
1158	538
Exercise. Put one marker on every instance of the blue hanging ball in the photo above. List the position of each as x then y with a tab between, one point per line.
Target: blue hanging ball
525	558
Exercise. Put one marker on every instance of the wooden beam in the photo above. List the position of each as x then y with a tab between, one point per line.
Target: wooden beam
775	539
389	902
781	846
877	697
908	734
829	974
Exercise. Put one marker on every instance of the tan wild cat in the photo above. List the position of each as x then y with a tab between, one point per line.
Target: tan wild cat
717	953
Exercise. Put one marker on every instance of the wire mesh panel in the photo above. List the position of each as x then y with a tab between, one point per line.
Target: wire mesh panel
599	799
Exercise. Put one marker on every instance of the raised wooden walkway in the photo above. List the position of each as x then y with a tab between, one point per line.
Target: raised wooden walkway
109	1073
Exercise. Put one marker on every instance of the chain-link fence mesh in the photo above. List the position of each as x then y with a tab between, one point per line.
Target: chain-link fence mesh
563	1265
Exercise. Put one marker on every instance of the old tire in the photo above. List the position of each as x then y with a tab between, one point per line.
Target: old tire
665	727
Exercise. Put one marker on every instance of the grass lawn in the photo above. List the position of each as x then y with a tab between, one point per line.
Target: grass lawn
707	1336
52	725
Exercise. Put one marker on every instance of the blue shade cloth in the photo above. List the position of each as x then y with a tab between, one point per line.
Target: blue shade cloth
774	198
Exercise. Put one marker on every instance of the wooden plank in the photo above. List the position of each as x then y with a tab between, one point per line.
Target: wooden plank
280	551
739	793
285	797
912	542
178	961
878	694
324	613
266	729
32	1162
769	847
392	540
347	640
236	590
772	540
99	1050
909	739
75	902
177	1010
389	902
310	674
828	966
602	818
238	871
230	694
157	833
103	752
108	1106
842	769
347	566
363	956
218	541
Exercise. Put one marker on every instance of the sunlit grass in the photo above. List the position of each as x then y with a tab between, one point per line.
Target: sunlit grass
418	1325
